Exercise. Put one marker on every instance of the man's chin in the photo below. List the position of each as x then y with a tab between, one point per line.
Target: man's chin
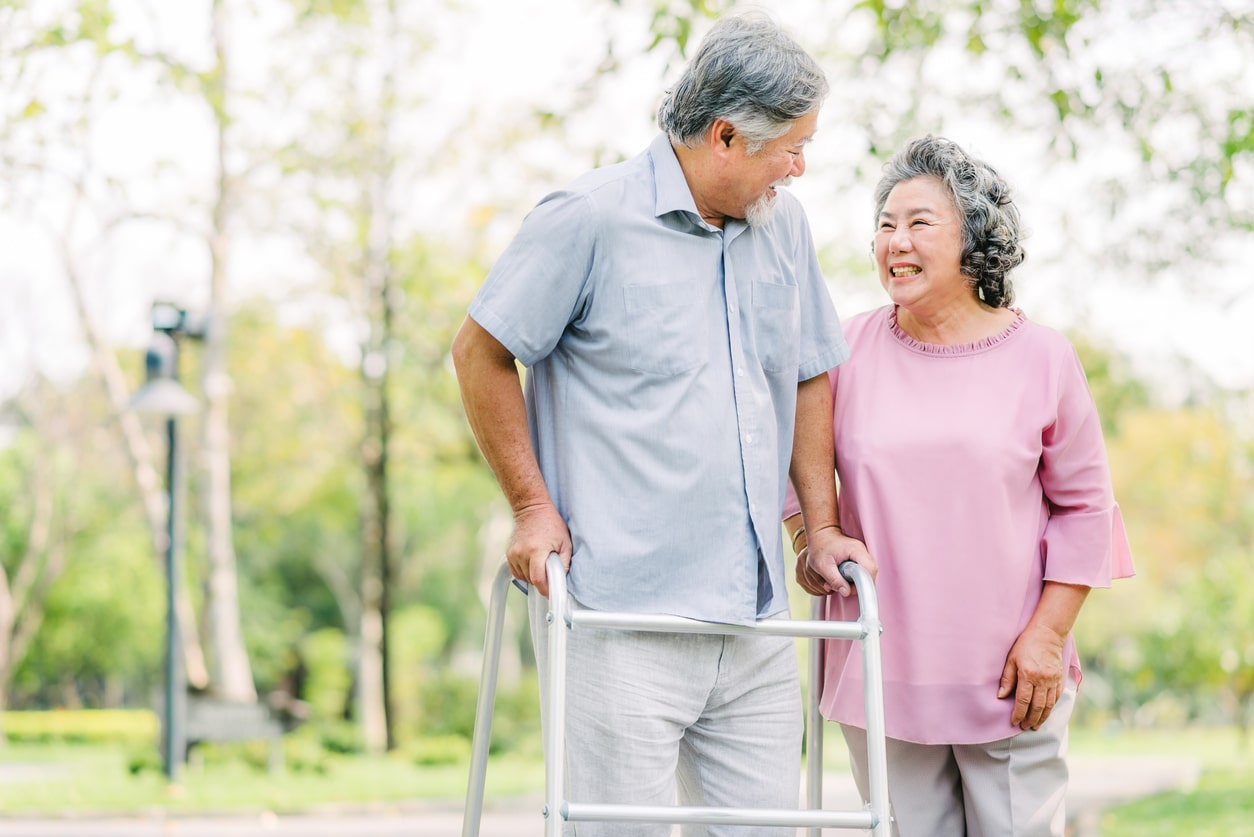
760	212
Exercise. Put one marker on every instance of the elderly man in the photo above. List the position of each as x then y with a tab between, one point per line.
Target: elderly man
677	332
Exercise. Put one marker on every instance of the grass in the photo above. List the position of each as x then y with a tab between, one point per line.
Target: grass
94	779
86	779
1222	804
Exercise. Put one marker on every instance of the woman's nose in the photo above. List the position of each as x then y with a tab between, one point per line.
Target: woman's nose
899	241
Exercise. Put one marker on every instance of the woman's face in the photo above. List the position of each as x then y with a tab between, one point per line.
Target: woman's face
918	246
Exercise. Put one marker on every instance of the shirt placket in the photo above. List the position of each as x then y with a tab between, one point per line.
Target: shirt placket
746	370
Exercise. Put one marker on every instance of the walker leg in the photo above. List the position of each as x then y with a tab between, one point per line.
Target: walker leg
555	735
482	737
814	723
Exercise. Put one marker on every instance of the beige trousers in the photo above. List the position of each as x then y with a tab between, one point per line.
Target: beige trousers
1014	787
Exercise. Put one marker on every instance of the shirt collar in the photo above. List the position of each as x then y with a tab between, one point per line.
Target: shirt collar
673	194
671	187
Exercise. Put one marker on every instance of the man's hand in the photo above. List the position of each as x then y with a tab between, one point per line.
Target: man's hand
819	560
1033	674
538	531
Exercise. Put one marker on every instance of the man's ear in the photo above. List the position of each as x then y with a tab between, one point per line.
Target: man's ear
721	134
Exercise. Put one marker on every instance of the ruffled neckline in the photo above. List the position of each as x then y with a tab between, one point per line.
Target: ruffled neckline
938	350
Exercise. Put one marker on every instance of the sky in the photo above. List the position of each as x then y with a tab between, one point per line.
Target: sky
495	63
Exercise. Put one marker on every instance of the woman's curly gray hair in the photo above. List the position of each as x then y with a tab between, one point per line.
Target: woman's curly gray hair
991	231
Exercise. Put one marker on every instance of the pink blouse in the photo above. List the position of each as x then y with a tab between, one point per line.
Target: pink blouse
973	474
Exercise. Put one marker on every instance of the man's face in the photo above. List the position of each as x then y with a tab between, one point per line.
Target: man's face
754	178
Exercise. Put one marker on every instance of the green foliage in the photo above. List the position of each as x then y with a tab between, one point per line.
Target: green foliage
447	708
144	760
439	749
134	727
92	587
342	738
328	673
1115	389
1177	640
102	621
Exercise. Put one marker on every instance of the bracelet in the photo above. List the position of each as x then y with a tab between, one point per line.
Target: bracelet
800	531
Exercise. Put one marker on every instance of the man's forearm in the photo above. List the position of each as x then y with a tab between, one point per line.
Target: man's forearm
813	465
492	397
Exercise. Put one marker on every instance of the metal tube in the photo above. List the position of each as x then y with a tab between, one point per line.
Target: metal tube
680	625
555	735
586	812
482	738
873	696
814	721
173	735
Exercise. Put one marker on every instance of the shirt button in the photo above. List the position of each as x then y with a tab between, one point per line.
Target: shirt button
740	371
748	438
731	308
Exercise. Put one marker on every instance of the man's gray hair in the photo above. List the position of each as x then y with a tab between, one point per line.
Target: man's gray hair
991	231
750	72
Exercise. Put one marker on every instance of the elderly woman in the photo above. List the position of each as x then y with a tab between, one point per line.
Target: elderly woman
971	463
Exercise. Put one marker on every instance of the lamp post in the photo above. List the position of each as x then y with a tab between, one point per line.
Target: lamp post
162	394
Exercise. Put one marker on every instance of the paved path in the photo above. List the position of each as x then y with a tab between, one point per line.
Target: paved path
1096	783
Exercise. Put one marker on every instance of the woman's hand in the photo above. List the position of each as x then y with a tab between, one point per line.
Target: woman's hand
819	558
1033	674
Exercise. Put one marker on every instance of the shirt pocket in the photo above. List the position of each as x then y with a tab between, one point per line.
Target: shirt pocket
775	324
667	331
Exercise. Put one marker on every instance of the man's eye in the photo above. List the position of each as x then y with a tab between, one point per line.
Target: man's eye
919	222
886	227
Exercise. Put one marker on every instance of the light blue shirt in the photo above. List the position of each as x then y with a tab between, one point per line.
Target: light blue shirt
663	359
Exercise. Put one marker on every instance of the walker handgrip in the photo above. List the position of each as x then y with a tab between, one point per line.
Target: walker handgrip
851	570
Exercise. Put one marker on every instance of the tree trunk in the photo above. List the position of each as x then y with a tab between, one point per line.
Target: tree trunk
231	672
376	372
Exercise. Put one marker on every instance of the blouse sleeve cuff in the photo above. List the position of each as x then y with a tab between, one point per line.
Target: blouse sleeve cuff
1087	548
791	505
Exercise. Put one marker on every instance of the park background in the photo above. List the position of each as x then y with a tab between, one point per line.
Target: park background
323	184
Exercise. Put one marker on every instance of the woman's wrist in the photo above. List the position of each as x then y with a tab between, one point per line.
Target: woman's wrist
835	526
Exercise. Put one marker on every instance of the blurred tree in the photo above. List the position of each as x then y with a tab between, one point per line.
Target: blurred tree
1183	628
1141	106
81	208
354	486
79	604
231	672
295	424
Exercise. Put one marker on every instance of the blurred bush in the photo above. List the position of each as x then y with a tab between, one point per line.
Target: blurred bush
132	727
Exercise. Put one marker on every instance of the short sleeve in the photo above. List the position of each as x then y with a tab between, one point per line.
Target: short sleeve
823	346
539	283
1085	541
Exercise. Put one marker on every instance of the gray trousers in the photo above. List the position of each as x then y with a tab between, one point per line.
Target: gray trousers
655	719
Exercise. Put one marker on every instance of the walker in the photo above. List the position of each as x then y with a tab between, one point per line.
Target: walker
561	618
